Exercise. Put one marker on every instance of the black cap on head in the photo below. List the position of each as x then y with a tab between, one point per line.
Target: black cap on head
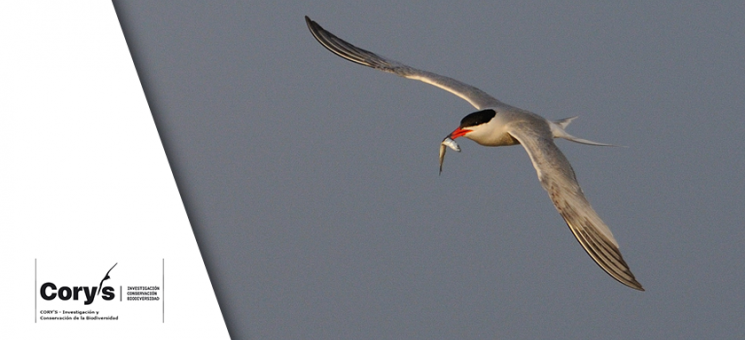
478	118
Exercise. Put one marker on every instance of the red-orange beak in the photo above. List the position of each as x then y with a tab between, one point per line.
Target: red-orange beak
459	132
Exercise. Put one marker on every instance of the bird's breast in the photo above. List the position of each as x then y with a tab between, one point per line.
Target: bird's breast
496	139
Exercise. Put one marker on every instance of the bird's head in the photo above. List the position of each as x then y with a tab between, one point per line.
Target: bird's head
474	125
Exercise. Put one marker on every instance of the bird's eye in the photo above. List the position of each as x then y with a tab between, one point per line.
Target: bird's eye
478	118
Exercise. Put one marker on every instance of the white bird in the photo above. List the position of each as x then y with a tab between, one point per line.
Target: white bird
499	124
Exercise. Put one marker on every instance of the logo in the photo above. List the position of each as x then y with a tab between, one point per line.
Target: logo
71	292
49	291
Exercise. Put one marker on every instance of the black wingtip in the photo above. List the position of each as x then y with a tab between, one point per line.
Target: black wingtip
310	23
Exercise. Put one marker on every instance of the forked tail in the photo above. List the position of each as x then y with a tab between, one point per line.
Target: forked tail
557	130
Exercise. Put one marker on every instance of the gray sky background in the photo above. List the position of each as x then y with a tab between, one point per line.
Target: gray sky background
312	185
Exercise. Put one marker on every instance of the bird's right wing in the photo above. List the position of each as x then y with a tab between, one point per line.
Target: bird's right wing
557	177
476	97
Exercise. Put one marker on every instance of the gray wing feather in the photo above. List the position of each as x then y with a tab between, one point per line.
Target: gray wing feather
473	95
557	177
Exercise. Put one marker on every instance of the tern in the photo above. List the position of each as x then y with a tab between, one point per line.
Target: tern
498	124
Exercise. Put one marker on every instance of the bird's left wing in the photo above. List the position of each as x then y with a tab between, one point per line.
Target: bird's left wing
473	95
557	177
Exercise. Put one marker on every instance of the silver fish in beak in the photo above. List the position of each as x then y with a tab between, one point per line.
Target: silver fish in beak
447	142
